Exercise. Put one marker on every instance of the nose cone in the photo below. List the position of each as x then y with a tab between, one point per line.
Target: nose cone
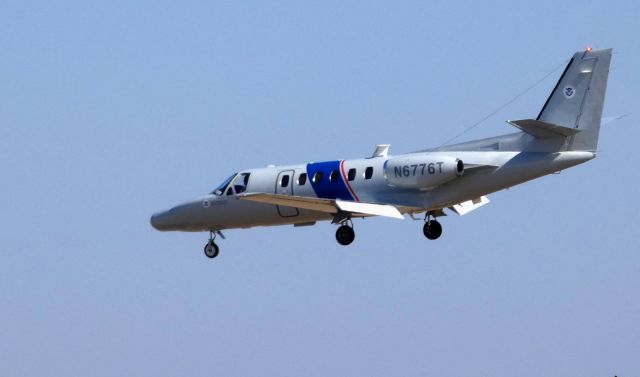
174	219
187	217
162	220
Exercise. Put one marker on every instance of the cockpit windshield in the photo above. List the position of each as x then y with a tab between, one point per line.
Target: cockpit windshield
220	190
235	184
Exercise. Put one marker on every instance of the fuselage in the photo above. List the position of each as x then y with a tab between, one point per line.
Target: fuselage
360	180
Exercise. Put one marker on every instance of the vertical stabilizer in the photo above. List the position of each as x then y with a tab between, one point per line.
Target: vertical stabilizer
578	98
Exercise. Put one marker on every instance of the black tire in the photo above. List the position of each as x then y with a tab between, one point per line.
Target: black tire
211	250
432	229
345	235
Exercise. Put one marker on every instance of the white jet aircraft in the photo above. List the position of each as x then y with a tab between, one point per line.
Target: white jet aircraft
457	177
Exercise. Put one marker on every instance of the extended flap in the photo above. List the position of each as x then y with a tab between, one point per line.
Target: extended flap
470	205
369	209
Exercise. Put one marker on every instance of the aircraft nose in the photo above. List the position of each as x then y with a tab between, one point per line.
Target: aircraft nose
162	220
184	216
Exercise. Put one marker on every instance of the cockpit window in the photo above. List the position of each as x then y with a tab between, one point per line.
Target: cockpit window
241	182
220	189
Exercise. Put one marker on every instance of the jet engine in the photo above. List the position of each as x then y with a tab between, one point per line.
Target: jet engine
422	172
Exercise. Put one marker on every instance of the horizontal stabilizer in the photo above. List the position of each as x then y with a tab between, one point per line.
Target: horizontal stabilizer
543	130
470	205
611	119
324	205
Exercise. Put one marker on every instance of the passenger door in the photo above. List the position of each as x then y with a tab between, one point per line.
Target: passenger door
284	186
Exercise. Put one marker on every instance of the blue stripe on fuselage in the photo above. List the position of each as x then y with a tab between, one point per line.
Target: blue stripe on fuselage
325	188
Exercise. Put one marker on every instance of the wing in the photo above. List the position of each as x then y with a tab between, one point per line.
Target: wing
325	205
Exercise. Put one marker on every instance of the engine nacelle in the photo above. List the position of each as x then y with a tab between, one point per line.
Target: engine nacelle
422	171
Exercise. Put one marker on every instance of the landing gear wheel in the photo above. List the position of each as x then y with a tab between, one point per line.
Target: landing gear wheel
345	235
211	250
432	229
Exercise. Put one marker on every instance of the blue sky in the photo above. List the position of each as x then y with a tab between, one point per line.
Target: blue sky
110	111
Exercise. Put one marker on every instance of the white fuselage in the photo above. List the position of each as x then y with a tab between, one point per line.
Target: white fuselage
485	172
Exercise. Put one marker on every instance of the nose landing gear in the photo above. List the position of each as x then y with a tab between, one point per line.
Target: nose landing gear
432	228
211	249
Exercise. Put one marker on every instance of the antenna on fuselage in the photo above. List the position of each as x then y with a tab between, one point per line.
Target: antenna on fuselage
382	150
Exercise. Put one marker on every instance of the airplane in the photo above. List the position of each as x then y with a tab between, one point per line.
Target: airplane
455	177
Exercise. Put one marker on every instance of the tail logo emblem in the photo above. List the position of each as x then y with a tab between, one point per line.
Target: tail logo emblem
569	91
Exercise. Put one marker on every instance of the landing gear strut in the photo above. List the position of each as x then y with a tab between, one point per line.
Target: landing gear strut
211	250
432	228
345	234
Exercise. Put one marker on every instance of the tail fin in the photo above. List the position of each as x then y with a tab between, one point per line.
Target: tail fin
578	98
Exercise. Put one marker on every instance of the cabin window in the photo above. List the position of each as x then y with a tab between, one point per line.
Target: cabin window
317	178
229	191
333	176
352	174
368	172
302	179
284	181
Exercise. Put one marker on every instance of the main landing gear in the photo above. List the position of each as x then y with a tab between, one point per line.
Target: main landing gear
211	249
432	228
345	234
